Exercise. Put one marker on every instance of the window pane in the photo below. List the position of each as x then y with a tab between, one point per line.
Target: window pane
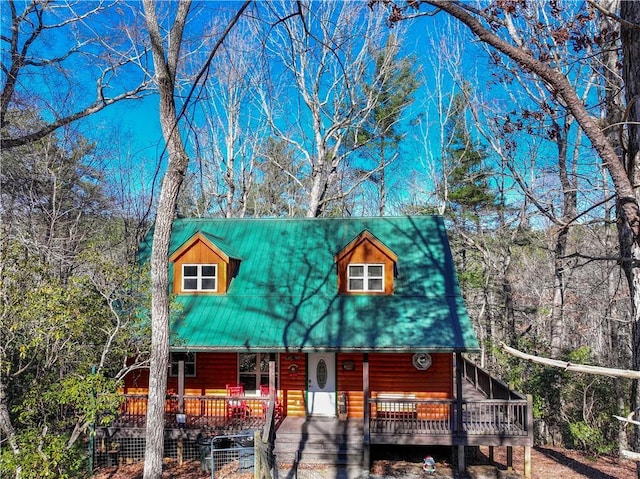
375	285
375	270
248	363
356	284
249	382
209	283
190	271
189	363
264	363
208	270
190	283
356	271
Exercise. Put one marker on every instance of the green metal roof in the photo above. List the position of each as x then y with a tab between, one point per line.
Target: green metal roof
284	297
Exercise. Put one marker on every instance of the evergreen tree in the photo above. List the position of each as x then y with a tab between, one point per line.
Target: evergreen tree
393	84
466	187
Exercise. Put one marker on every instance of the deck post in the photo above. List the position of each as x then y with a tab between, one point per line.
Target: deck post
459	367
527	462
180	406
366	450
491	454
509	458
458	432
461	463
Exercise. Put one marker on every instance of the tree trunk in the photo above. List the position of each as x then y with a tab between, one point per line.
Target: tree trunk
165	71
628	234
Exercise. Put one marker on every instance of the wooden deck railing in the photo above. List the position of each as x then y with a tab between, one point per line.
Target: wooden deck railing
491	387
491	417
199	412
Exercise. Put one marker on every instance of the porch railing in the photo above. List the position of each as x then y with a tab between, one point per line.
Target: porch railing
198	412
491	387
491	417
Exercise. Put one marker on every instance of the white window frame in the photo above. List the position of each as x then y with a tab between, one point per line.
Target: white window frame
199	277
365	278
257	373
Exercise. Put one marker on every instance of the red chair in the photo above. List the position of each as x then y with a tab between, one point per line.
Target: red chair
236	407
265	393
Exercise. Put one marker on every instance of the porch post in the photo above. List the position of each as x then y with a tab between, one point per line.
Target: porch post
180	407
181	386
272	378
366	454
461	462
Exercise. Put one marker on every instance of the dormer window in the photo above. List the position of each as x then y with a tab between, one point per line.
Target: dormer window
366	277
200	277
366	266
204	264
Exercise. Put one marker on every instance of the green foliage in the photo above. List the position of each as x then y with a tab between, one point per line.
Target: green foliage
575	406
44	456
471	277
589	438
66	306
466	186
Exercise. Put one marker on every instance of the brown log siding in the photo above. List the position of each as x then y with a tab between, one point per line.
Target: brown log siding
390	373
293	384
365	253
200	253
394	373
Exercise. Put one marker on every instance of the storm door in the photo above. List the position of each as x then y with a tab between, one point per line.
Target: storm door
321	391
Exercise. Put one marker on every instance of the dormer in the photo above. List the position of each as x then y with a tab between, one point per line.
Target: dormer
203	265
366	266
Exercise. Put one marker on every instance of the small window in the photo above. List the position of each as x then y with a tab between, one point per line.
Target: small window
200	277
366	277
189	364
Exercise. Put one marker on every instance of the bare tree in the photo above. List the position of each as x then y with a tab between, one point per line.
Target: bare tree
49	80
495	28
234	127
166	52
325	56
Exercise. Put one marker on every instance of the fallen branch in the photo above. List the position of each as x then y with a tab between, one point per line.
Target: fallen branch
624	419
634	456
580	368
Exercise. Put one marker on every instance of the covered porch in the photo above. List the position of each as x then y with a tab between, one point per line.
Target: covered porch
483	412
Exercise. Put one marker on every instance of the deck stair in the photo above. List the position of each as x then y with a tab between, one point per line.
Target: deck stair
317	440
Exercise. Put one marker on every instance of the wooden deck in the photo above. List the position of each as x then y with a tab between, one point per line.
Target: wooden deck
486	413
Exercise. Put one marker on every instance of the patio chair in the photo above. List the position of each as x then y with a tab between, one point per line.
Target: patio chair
236	407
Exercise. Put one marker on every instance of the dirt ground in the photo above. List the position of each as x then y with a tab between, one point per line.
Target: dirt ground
547	463
557	463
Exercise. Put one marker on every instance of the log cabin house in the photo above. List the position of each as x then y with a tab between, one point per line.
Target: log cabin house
359	320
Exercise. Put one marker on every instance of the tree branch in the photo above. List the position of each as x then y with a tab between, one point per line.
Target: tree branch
579	368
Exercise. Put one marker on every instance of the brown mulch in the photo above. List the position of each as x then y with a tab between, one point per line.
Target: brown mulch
557	463
547	463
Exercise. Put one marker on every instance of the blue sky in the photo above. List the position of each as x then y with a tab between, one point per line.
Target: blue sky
139	140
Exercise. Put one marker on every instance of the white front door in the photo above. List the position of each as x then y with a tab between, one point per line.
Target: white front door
321	391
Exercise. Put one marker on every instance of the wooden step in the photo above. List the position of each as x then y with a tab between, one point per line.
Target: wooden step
319	441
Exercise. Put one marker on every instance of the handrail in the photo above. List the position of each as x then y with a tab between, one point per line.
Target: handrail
484	382
503	417
200	411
